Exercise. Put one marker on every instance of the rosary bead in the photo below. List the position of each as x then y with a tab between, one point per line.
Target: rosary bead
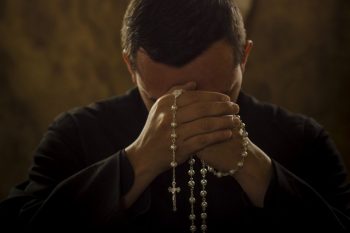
204	171
191	183
244	154
203	193
191	161
204	215
192	217
232	172
177	93
173	164
245	142
191	172
192	200
173	189
193	228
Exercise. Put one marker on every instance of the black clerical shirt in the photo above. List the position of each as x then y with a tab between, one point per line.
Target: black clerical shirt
80	173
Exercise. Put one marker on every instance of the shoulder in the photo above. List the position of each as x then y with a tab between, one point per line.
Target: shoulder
98	129
284	135
110	109
294	140
278	119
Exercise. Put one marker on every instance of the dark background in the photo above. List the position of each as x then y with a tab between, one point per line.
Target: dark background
58	54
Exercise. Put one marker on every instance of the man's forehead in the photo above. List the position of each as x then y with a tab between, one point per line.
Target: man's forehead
213	65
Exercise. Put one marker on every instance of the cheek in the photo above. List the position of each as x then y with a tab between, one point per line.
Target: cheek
236	78
228	82
236	84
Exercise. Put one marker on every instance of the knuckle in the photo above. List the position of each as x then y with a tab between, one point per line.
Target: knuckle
236	107
236	134
225	98
236	121
164	120
230	106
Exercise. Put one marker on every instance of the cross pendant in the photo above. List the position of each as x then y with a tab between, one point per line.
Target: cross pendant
173	190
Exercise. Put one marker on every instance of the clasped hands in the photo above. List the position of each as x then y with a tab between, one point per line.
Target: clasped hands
207	125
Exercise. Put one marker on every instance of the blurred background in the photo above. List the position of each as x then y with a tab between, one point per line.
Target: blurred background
58	54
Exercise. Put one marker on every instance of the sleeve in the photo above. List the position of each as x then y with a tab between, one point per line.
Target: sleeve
63	192
315	199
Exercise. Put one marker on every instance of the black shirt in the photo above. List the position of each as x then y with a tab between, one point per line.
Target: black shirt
80	172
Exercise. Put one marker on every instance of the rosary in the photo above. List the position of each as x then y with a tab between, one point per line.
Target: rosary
203	171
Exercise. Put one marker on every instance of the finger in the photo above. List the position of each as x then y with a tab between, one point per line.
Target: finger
201	141
191	97
168	98
236	122
206	109
205	125
186	87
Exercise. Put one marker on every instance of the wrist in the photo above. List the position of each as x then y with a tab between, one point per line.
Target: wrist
255	175
142	176
142	167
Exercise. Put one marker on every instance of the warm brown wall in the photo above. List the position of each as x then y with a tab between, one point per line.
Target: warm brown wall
61	53
301	60
54	55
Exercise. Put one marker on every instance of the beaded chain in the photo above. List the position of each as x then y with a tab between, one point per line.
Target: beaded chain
203	171
244	154
173	189
203	194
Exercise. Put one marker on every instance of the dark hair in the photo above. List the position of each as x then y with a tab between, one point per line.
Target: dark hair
174	32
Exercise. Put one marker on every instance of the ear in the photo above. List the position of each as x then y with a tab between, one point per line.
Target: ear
247	48
128	64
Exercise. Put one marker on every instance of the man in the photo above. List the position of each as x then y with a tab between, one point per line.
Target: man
152	160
